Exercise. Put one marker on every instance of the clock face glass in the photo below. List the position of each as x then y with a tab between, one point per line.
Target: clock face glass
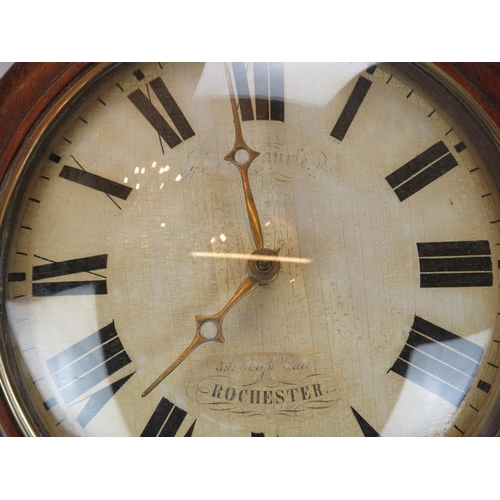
381	321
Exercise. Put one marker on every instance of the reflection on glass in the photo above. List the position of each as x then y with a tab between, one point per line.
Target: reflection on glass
85	364
439	368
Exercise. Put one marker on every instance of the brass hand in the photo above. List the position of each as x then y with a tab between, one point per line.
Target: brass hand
260	272
248	284
243	166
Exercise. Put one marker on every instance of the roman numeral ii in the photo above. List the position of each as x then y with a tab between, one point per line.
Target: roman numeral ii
419	172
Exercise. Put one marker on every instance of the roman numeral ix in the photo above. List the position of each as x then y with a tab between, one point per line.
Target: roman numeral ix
455	264
419	172
269	87
82	366
439	361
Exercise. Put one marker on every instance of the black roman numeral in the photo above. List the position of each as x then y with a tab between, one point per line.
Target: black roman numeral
438	361
66	267
352	106
269	85
421	170
154	117
84	178
366	428
12	277
166	421
82	366
455	264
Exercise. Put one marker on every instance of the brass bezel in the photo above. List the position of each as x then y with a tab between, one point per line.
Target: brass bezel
64	103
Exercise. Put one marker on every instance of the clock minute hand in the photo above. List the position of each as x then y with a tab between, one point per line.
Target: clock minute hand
248	284
244	164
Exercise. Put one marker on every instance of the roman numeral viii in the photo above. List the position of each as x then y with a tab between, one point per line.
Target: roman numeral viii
166	421
82	366
439	361
419	172
455	264
269	88
155	118
66	267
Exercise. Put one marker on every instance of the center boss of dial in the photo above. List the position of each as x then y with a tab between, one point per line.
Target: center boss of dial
267	269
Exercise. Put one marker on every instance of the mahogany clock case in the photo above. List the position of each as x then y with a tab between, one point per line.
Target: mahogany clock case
28	89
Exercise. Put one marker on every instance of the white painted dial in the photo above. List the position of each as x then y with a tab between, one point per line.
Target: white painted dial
381	321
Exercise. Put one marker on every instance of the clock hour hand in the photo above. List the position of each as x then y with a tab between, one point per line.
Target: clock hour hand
260	272
201	337
242	157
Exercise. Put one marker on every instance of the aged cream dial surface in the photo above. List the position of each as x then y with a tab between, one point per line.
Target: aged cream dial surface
382	320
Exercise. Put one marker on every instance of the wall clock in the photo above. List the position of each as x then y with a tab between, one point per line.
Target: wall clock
250	249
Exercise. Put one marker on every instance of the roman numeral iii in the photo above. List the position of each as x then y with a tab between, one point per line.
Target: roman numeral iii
419	172
455	264
66	267
166	421
155	118
439	361
269	86
82	366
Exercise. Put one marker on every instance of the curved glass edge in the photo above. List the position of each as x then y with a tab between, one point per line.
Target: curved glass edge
434	82
13	186
476	124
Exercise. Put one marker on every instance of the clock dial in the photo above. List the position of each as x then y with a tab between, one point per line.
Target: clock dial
380	322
